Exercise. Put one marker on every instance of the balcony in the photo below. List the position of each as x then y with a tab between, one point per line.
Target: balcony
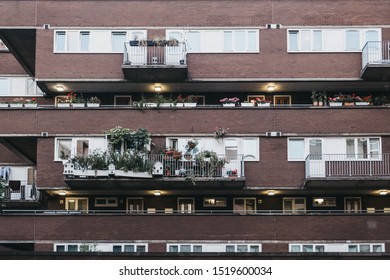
347	171
161	63
376	61
167	172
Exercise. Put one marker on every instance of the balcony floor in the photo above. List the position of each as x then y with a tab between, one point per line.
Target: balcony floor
338	183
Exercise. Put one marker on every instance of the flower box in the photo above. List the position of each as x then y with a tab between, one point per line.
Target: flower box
247	104
16	105
349	103
335	104
362	103
93	105
78	105
31	105
166	105
179	104
189	104
263	105
3	105
229	105
151	105
63	105
132	174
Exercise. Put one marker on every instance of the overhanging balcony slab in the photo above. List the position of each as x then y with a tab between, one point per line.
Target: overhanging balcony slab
152	73
339	183
165	183
377	72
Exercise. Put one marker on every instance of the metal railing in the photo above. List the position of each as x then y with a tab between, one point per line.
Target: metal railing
376	52
347	165
154	55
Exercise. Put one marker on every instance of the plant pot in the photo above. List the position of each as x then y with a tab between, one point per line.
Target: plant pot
349	103
78	105
63	105
335	104
3	105
151	105
315	103
166	105
247	104
16	105
31	105
362	103
133	43
189	104
229	105
262	105
93	105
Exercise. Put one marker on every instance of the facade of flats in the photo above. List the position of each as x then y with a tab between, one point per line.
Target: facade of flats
299	162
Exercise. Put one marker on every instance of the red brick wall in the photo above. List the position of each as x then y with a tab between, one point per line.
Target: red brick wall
9	65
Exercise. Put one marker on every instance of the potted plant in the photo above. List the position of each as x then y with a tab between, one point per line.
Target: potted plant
3	104
93	102
31	103
78	102
220	132
336	101
66	101
17	102
229	102
363	101
318	98
248	104
261	102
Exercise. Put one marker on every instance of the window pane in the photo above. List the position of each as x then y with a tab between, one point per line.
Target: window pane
60	41
185	248
83	204
173	249
353	248
305	40
242	248
4	86
117	248
118	40
315	147
60	248
229	248
254	249
295	248
374	147
193	41
228	41
317	40
197	249
72	248
84	41
129	248
320	248
377	248
141	249
350	148
364	248
362	147
296	149
252	42
73	41
239	40
352	40
293	40
307	248
64	148
372	35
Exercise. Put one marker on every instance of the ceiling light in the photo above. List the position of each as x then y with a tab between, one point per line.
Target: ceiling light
60	88
271	193
271	88
62	193
157	193
383	192
157	88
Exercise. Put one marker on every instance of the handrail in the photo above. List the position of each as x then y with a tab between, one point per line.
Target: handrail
376	52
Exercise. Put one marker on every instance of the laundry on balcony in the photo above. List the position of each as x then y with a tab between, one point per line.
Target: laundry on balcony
5	173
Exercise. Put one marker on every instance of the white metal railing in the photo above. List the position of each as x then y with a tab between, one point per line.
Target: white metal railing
376	52
154	55
343	165
22	192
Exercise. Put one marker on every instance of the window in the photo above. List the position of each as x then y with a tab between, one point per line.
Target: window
117	41
294	205
84	41
122	100
330	40
60	41
101	247
193	41
64	148
82	147
4	86
363	148
214	202
242	248
186	205
296	149
324	202
76	204
307	248
231	149
106	202
250	149
135	205
244	205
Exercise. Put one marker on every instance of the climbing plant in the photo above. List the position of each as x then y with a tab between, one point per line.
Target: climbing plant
131	140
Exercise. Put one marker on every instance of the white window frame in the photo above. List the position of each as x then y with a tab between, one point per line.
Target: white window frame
100	247
341	48
7	86
342	247
368	156
245	211
294	209
93	145
117	33
76	198
108	202
224	199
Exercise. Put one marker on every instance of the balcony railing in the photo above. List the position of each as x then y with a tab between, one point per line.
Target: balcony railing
23	192
154	55
376	52
347	165
166	166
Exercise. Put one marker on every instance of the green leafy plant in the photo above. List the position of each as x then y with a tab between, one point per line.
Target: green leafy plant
3	187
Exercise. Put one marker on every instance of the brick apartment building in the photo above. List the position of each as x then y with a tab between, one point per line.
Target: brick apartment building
285	148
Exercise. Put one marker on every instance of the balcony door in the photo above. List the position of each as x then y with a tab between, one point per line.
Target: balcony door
76	204
186	205
317	163
353	204
244	205
135	205
294	205
282	100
